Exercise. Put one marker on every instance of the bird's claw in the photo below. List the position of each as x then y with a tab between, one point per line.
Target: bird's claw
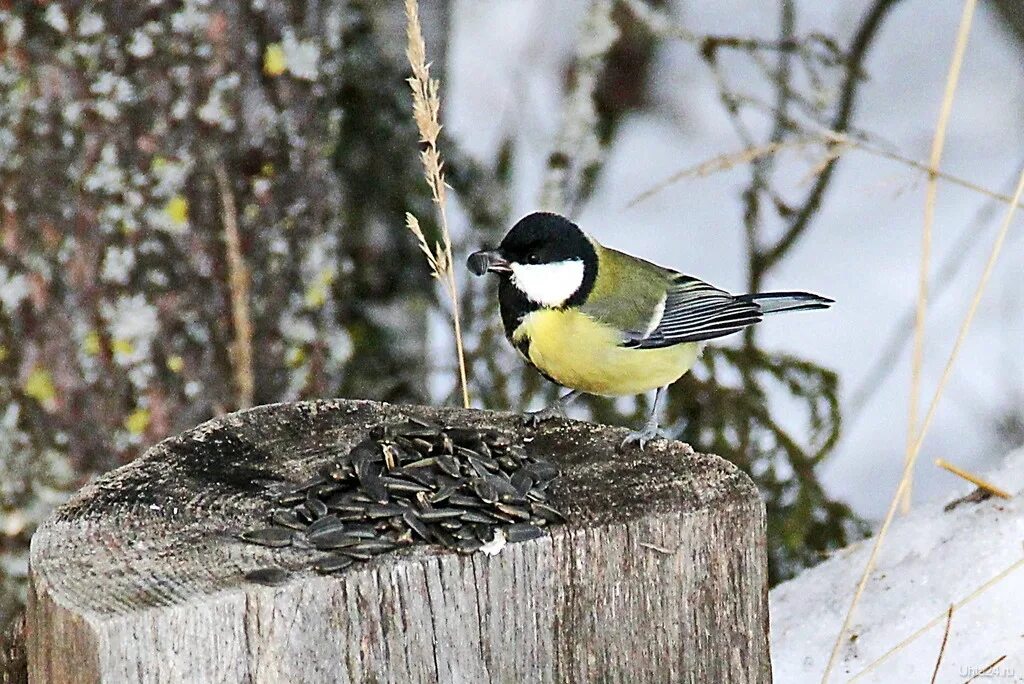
648	433
535	418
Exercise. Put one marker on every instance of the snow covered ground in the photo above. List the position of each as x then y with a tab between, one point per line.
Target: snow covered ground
507	64
930	559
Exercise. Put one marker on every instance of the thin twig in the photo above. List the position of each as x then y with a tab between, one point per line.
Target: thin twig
908	467
238	284
981	589
842	142
724	162
426	109
931	193
986	669
942	648
973	479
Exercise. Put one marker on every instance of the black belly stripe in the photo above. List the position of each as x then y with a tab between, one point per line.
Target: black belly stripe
522	346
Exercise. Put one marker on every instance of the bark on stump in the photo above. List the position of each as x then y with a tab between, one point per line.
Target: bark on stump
659	575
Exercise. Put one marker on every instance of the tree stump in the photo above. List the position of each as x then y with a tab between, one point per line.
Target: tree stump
660	573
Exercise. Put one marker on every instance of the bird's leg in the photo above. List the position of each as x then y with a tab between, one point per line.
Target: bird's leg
650	431
556	410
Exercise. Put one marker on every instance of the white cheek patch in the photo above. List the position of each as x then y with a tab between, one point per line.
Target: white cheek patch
548	284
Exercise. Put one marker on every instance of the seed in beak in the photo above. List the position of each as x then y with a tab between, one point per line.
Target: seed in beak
481	262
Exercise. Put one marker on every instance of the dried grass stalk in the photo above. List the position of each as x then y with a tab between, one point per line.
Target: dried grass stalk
975	480
238	284
938	143
426	106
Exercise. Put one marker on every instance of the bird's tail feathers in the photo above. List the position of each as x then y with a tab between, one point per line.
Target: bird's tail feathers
777	302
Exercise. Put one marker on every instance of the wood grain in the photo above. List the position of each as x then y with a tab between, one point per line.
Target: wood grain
660	574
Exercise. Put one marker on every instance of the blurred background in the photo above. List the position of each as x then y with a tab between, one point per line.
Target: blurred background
202	209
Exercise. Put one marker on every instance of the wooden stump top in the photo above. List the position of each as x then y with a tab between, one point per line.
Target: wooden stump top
157	538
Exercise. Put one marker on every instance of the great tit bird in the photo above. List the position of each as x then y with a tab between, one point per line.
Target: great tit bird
599	321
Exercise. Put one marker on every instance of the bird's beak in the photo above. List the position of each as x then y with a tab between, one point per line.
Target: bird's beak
486	261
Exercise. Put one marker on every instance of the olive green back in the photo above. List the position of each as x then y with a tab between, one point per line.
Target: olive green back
628	290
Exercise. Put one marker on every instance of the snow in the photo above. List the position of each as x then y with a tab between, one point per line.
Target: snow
930	559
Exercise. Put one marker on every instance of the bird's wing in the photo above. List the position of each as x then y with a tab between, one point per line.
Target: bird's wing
629	294
695	311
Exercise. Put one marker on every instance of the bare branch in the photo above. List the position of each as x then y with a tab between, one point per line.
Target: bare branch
577	146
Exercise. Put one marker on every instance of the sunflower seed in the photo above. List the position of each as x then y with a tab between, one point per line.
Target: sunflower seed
508	464
328	523
291	496
342	472
336	539
445	538
393	484
448	465
352	517
372	546
317	508
334	563
439	514
267	576
542	471
362	531
522	532
286	518
485	490
514	511
345	505
502	485
468	545
444	444
442	494
268	536
421	463
383	510
464	501
547	513
366	451
478	466
416	525
522	481
477	517
392	456
423	432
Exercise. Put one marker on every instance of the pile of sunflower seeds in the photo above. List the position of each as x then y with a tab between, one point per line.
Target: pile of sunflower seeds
458	487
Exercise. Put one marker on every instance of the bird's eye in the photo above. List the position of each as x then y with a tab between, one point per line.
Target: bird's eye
532	258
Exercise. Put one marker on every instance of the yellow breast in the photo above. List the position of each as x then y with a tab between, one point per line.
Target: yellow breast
578	352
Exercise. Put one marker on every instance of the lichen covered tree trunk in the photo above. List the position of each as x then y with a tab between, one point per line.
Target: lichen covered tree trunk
139	295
